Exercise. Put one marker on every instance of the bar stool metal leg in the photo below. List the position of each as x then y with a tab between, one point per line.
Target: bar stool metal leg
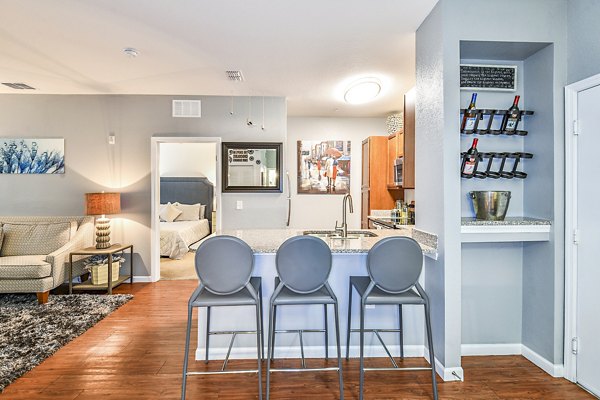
362	350
270	344
326	333
207	334
401	333
272	348
339	349
430	342
262	328
349	328
258	347
187	349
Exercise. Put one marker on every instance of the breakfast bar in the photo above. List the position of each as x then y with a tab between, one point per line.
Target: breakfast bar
349	258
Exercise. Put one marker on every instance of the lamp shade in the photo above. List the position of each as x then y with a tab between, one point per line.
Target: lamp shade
102	203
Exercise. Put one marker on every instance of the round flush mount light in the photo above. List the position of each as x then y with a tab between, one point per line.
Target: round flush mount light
363	91
131	52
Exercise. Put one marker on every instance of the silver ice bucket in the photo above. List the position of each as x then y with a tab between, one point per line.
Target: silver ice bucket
490	205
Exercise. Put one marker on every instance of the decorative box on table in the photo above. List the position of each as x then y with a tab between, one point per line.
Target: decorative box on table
99	273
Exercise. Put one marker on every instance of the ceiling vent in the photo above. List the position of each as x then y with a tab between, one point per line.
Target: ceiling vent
235	76
186	109
18	86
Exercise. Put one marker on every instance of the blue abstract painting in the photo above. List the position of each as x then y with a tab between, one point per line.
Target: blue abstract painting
32	156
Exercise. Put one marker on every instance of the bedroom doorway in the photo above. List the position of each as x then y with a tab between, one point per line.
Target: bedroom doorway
185	202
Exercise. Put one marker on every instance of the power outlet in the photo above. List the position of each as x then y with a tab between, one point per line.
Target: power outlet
239	205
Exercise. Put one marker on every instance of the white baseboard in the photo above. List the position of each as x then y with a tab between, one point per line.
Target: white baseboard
490	349
142	279
555	370
446	373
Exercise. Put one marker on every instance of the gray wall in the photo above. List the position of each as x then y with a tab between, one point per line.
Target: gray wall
584	43
492	293
543	263
93	165
438	140
429	164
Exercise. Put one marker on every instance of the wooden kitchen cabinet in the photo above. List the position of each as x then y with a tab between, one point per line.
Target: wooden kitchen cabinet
402	144
409	140
374	193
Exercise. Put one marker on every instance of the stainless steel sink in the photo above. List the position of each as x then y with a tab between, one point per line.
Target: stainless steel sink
337	235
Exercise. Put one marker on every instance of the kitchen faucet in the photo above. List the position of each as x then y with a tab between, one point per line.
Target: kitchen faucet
343	229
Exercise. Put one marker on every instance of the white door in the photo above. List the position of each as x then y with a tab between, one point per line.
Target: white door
588	224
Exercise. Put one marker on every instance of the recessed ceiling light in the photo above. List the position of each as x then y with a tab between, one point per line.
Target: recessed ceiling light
131	52
363	91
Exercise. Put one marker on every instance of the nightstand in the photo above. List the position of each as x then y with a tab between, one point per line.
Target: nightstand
110	251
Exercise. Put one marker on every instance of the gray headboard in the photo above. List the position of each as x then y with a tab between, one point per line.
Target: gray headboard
190	190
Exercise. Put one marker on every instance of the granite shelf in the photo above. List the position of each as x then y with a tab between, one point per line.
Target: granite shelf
512	229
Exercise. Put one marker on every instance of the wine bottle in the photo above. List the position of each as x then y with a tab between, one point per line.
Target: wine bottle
469	117
470	161
512	116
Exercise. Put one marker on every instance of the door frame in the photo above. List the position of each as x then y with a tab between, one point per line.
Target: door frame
571	137
155	142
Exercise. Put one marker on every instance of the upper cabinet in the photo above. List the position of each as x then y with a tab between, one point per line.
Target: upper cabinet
401	149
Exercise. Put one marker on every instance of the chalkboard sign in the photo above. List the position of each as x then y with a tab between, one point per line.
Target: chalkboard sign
488	77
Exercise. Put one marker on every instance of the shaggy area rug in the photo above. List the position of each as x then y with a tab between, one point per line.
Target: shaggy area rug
29	332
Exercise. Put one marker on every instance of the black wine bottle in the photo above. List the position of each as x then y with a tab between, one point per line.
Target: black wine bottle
470	161
469	117
512	116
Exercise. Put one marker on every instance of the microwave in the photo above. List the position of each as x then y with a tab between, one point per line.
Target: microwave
398	171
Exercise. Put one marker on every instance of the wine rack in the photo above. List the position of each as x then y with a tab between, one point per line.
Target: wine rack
485	121
504	171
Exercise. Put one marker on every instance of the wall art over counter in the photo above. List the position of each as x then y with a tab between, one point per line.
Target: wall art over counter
32	156
323	166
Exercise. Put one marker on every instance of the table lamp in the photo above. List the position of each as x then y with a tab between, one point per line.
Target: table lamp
102	204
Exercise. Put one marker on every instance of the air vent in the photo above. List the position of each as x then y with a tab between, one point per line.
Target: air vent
18	86
186	109
235	76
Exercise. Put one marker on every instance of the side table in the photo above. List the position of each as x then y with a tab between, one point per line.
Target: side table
110	251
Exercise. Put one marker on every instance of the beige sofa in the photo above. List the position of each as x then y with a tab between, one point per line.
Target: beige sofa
34	252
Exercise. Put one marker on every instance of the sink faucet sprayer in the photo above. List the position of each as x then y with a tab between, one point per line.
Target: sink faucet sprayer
344	227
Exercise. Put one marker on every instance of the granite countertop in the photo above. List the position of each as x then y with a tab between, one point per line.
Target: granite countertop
267	241
507	221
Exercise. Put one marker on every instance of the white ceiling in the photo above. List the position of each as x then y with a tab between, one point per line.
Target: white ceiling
305	50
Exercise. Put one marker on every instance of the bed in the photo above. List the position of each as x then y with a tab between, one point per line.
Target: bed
176	237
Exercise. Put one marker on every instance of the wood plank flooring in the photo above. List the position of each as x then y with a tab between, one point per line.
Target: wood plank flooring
137	352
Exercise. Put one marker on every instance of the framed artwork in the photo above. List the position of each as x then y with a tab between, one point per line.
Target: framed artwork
32	156
324	166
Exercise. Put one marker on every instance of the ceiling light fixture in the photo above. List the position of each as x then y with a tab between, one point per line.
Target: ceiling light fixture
131	52
363	91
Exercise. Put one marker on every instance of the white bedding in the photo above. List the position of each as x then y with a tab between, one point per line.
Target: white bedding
176	237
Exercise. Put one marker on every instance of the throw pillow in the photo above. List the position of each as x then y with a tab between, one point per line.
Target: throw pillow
189	212
169	213
35	238
203	211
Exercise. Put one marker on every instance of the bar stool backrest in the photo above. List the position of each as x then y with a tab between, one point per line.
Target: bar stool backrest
395	264
224	264
303	263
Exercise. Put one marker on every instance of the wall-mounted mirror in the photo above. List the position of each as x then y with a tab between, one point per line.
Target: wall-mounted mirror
252	167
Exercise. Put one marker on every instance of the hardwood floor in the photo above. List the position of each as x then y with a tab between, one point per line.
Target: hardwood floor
137	351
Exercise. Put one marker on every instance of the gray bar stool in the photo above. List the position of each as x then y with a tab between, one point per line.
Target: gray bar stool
303	265
224	266
394	265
